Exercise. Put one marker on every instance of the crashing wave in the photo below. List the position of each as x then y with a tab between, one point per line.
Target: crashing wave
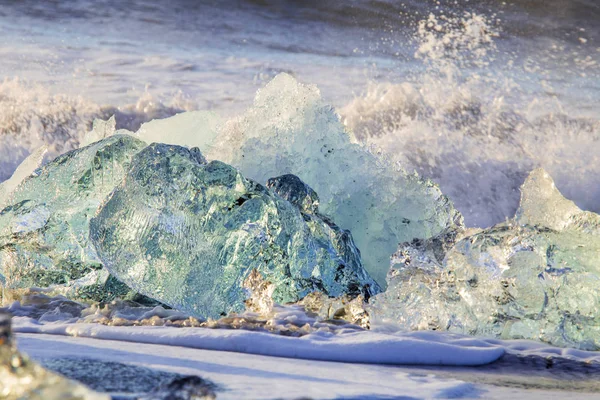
468	121
32	117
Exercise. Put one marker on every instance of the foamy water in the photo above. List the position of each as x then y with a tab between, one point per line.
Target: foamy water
473	97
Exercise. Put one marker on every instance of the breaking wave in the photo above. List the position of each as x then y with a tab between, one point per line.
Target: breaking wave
466	119
32	116
472	128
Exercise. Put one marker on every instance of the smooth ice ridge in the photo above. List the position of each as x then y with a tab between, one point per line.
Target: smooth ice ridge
291	130
534	277
188	233
44	229
353	347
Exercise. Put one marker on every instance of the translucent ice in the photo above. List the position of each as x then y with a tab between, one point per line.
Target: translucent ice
543	205
192	129
188	233
27	167
100	130
44	229
536	276
290	130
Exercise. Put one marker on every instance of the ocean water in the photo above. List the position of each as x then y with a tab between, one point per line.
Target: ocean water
472	94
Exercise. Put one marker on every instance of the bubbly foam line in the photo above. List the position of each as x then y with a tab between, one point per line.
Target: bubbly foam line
356	347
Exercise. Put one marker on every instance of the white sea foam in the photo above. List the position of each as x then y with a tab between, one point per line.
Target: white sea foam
32	116
384	345
355	347
474	128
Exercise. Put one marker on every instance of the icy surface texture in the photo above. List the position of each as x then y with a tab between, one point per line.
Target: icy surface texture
290	130
44	231
188	233
535	277
543	205
22	379
324	230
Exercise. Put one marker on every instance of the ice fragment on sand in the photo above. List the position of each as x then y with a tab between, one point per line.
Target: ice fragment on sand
22	379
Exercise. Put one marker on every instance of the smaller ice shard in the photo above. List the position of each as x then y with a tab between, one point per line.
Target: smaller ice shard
100	130
22	379
543	205
337	309
44	228
533	277
26	168
188	233
190	129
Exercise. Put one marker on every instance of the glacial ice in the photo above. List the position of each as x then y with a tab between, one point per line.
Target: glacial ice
44	230
188	232
536	276
100	130
291	130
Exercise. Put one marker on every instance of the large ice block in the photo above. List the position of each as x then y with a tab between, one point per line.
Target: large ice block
536	276
44	231
188	232
291	130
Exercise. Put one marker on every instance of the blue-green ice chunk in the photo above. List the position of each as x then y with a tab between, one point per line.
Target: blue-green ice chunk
188	233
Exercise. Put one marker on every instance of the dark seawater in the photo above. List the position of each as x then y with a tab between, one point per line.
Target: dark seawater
472	94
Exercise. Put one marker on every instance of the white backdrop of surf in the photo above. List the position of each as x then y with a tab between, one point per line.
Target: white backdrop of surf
32	116
469	120
471	117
